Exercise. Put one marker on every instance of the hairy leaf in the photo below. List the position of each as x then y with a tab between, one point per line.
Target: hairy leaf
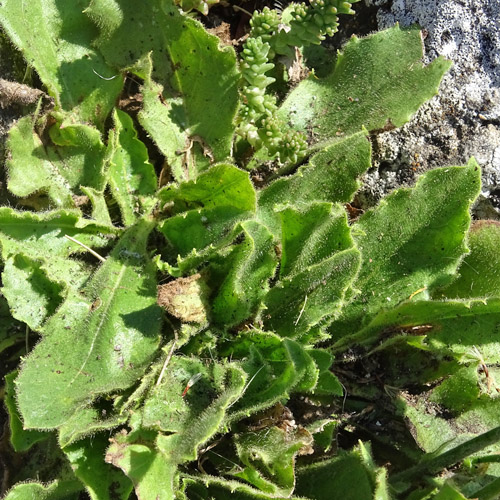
412	242
100	340
57	490
376	81
184	56
269	458
55	38
207	209
11	331
479	274
331	176
243	276
102	481
31	295
319	264
74	159
348	476
209	487
132	178
192	416
20	439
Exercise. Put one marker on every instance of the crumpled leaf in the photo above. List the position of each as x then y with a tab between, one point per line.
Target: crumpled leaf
190	418
275	367
132	178
269	458
74	159
56	39
242	276
319	264
101	339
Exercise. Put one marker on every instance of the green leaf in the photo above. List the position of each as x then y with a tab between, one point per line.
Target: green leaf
479	274
102	481
55	38
412	242
327	383
376	81
167	131
31	295
101	339
243	276
346	477
330	176
311	234
447	326
275	368
319	264
207	210
269	458
74	159
132	178
151	473
87	422
186	60
11	331
209	487
40	237
57	490
447	492
190	418
217	386
20	439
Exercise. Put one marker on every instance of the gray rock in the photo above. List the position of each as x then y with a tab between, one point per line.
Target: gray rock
464	119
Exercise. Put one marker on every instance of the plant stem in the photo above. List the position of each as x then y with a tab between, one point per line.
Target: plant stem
446	459
490	491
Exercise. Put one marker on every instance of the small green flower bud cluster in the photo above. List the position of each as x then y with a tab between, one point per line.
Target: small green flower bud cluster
199	5
264	24
288	146
255	64
310	25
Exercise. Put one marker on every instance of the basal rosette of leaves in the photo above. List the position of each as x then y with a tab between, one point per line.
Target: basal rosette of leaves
199	331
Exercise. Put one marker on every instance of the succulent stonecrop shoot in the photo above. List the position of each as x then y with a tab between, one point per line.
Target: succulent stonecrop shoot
273	36
187	329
